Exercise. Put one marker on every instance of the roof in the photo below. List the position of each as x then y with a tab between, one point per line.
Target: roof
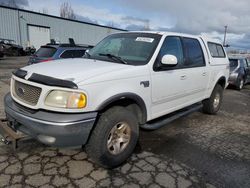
48	15
206	38
66	45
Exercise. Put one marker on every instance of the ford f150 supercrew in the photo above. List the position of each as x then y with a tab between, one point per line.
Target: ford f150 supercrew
128	81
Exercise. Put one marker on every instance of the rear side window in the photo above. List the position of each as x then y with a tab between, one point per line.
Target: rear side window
243	63
216	50
45	52
193	53
72	53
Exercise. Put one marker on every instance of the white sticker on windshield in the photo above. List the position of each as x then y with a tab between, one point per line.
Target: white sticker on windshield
144	39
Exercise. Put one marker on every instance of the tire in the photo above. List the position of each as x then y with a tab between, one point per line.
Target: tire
100	145
213	104
240	83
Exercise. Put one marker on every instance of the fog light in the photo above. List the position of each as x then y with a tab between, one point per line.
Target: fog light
46	139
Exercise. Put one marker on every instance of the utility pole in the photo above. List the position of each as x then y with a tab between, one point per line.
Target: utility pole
225	35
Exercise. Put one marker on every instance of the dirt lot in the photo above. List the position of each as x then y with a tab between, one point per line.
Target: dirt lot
195	151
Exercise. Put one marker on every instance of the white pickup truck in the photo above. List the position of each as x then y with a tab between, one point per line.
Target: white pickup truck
127	81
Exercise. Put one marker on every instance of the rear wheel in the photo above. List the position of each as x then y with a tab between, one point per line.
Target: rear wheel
212	104
114	137
240	83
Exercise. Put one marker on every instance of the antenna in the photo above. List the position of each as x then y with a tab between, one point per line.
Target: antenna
225	35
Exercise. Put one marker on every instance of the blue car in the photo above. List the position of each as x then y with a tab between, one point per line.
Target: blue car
52	51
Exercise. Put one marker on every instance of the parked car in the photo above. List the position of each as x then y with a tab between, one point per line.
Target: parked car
10	48
30	50
239	72
127	81
53	51
1	51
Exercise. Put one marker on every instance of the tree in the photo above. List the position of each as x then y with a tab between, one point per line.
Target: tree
9	3
66	11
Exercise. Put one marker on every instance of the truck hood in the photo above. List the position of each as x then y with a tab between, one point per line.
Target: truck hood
76	70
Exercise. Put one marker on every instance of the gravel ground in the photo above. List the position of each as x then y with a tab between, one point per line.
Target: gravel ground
194	151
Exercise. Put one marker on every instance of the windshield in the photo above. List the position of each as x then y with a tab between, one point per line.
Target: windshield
132	48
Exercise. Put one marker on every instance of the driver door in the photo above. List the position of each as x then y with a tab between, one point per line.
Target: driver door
168	83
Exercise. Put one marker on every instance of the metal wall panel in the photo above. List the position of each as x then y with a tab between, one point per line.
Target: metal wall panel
9	24
11	20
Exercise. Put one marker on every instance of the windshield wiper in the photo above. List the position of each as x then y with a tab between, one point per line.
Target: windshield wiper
117	58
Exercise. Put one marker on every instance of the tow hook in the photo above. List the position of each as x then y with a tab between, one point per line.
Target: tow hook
10	136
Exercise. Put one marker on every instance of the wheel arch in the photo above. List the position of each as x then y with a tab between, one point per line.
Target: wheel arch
221	81
129	100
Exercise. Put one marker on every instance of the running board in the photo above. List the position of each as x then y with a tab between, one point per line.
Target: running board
163	121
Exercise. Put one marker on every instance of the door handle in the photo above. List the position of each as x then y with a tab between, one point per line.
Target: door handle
204	74
183	77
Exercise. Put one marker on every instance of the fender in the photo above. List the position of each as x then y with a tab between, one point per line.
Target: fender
219	79
123	96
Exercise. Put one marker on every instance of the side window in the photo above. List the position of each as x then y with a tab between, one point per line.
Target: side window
216	50
213	49
243	63
248	62
66	54
171	46
193	53
220	50
78	53
72	53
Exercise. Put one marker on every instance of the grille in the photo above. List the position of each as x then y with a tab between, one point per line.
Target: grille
26	93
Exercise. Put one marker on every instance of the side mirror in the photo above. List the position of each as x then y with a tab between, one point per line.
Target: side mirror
169	60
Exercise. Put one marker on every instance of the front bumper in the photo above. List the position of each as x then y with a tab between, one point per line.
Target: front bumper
55	129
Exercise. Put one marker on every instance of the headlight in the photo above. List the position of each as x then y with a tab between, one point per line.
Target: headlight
66	99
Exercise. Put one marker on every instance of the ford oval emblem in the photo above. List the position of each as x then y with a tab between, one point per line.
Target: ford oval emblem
21	91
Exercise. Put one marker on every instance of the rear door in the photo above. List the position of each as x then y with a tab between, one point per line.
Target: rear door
197	73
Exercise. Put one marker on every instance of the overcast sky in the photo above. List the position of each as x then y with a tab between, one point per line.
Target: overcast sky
195	17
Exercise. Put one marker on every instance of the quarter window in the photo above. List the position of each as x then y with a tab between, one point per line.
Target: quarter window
193	53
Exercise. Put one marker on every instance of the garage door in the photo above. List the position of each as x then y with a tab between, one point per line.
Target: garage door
38	36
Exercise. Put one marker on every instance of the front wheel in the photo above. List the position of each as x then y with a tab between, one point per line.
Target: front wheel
114	137
212	104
